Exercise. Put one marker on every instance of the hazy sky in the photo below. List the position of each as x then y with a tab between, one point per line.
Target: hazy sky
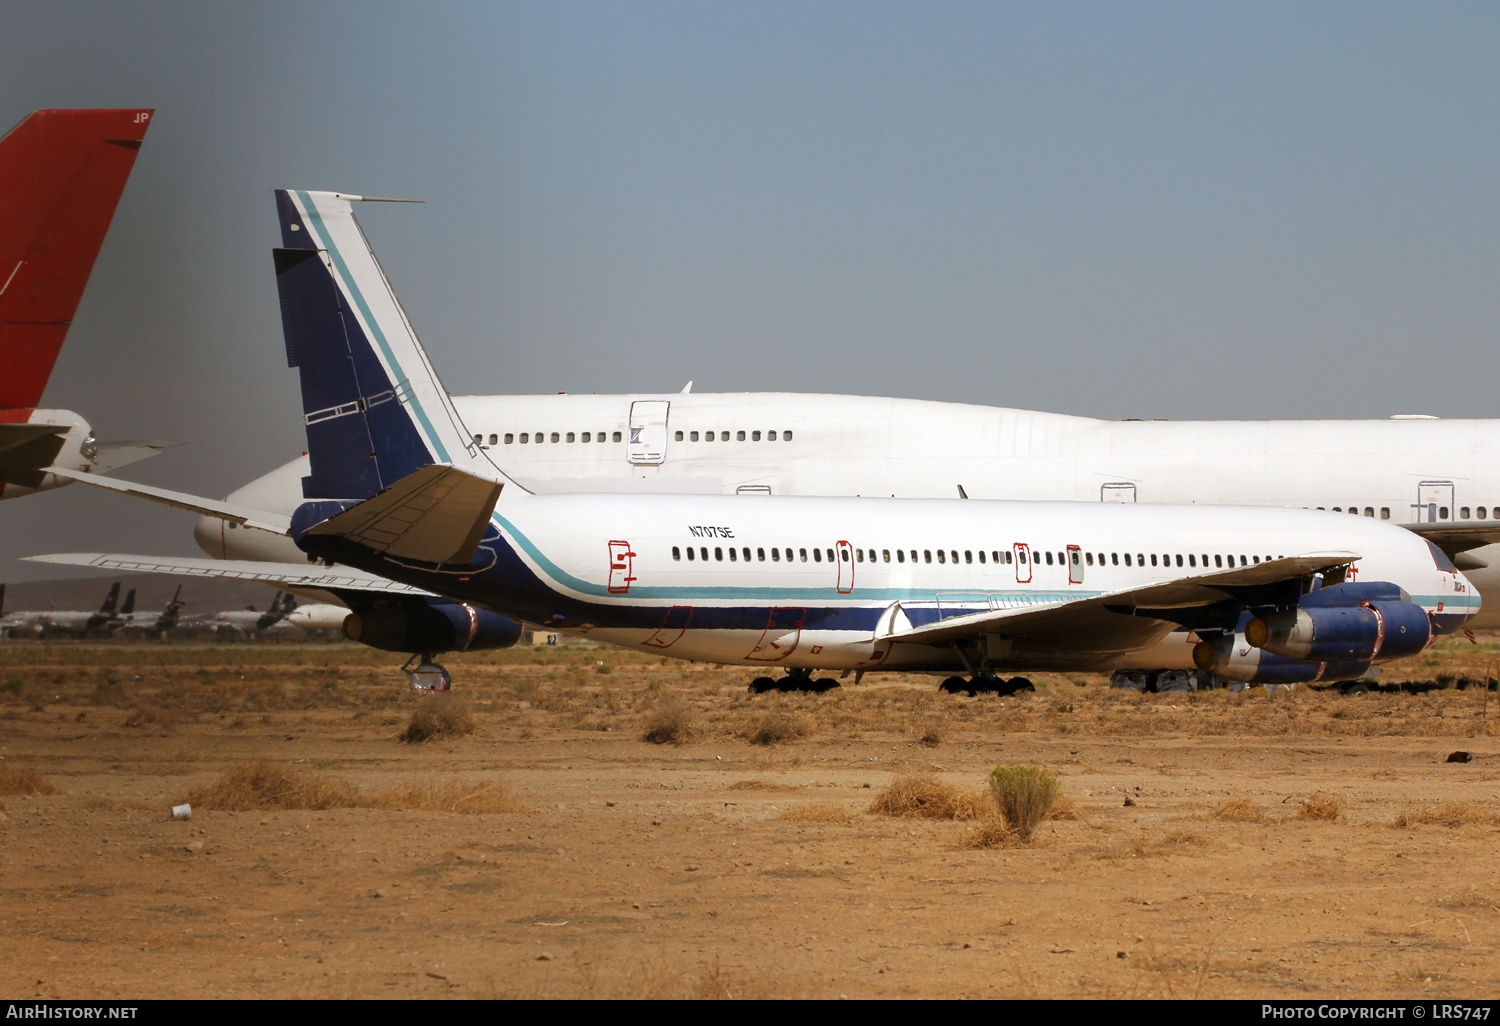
1121	210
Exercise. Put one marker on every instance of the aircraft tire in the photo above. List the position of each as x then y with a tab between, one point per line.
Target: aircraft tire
1357	688
956	686
1019	684
762	684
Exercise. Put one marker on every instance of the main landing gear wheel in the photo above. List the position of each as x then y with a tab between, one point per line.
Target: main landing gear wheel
956	686
1357	688
428	677
760	685
1018	684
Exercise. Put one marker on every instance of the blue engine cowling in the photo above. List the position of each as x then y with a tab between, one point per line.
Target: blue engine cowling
1335	633
1233	657
430	625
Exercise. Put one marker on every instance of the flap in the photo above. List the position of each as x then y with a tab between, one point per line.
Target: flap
437	515
290	574
247	515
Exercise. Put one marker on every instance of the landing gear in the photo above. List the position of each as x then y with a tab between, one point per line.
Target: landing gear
795	680
981	685
427	677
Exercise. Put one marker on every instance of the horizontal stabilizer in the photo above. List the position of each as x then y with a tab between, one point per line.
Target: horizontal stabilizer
289	574
114	455
436	515
246	515
1106	620
15	435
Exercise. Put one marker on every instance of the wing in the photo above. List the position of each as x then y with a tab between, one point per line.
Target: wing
249	516
1456	538
331	579
1121	621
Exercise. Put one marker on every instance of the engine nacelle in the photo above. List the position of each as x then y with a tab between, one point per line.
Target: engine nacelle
1232	656
431	626
1372	630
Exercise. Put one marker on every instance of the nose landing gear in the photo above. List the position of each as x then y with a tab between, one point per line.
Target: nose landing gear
427	677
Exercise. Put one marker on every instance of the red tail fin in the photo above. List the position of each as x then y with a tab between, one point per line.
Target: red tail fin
61	174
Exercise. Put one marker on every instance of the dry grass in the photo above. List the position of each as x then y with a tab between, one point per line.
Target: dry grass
774	728
669	723
817	812
486	796
19	780
1449	814
1064	808
1145	845
760	785
438	717
1239	810
1024	794
992	832
933	735
923	796
1327	807
260	785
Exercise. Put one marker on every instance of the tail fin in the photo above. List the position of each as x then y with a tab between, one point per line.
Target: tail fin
61	175
128	606
113	597
373	406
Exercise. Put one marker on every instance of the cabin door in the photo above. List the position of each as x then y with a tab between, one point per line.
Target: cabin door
648	432
1434	502
1023	563
1117	491
1075	565
621	567
846	568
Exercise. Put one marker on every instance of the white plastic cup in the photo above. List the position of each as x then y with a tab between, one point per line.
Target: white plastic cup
182	811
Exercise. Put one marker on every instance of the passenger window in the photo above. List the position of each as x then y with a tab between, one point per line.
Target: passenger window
693	436
941	558
885	555
1219	560
1153	559
776	555
981	555
570	436
677	553
1463	512
1008	558
703	551
478	439
1194	562
954	554
1369	511
1089	559
803	553
1179	559
731	554
739	436
1385	512
525	438
746	551
1021	556
755	436
494	439
589	438
927	555
614	437
901	555
1127	559
786	436
1479	512
818	556
1049	559
1075	557
770	436
1114	558
510	439
1255	560
690	553
554	436
1338	509
844	555
1442	512
677	437
600	436
859	555
760	555
708	436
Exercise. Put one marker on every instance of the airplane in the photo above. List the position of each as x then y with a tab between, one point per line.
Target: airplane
61	175
248	621
316	616
52	623
399	496
1440	478
129	622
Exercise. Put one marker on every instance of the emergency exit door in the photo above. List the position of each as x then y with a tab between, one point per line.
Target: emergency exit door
648	432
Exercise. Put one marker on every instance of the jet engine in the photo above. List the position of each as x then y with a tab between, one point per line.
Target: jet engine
1234	657
430	625
1371	630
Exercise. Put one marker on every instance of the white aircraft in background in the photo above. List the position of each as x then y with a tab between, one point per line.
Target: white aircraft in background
61	176
247	622
316	616
129	622
51	623
1440	478
448	552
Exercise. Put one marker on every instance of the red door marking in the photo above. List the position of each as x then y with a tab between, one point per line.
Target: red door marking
621	564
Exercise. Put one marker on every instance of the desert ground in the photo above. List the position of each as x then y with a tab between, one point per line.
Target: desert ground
582	822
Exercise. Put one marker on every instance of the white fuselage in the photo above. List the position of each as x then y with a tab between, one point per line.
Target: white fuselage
847	566
1403	471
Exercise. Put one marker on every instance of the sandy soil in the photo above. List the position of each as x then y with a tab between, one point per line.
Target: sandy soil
647	869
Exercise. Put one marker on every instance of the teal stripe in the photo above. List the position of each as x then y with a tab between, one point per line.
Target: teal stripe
310	213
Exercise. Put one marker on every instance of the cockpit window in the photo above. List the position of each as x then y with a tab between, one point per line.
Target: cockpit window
1441	558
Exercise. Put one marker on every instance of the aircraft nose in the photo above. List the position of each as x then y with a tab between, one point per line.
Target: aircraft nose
209	534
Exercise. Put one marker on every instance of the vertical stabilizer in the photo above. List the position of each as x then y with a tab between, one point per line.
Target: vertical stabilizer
110	600
61	175
373	406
